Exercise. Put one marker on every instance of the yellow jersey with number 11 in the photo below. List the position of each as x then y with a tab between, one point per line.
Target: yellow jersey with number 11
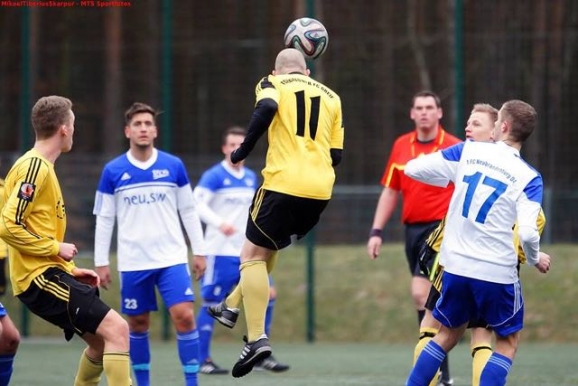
307	124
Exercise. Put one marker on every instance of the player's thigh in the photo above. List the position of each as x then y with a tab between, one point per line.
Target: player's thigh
137	291
456	304
501	306
65	302
221	276
175	285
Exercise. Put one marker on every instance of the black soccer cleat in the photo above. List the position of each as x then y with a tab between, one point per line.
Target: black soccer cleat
211	368
271	364
253	353
223	314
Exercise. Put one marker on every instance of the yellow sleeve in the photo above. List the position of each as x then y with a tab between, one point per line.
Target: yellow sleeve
266	89
540	223
337	133
3	246
17	208
434	240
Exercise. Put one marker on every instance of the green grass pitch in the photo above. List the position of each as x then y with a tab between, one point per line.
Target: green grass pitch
53	362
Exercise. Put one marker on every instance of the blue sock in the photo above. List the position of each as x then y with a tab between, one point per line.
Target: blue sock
269	316
205	326
496	370
6	362
188	347
140	357
427	365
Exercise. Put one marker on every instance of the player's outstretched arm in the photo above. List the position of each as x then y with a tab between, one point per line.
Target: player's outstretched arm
260	120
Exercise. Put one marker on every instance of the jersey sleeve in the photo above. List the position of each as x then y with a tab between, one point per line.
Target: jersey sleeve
390	177
104	204
338	131
437	168
203	197
528	208
435	238
540	223
266	89
3	246
31	177
191	221
182	176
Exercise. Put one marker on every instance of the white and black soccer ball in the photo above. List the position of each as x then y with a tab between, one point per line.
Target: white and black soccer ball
308	36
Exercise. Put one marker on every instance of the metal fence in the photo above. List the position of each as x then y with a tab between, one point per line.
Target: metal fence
199	62
347	219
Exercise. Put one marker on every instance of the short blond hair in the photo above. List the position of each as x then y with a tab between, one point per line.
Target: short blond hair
486	108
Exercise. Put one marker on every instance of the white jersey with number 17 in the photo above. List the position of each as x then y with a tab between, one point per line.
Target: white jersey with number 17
494	188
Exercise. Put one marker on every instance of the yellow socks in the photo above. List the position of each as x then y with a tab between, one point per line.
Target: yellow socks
425	335
117	368
235	297
481	353
89	371
254	285
272	261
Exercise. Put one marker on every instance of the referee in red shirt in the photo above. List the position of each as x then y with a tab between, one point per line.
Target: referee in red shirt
424	206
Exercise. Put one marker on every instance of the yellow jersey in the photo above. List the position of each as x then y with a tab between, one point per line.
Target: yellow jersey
3	246
33	219
307	124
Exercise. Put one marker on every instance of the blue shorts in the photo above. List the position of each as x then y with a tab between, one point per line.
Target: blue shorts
221	276
463	299
2	310
137	288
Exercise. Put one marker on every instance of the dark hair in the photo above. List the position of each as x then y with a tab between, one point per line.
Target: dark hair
233	130
48	114
425	94
137	108
522	118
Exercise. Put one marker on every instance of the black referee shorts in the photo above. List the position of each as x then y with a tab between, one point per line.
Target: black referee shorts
274	217
415	236
57	297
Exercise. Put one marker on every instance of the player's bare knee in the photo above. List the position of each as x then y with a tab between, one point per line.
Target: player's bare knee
9	342
114	329
139	323
183	319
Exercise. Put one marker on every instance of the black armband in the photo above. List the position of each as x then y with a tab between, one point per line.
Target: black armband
375	232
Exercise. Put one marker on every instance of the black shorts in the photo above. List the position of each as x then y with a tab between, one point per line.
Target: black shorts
57	297
435	293
274	217
415	235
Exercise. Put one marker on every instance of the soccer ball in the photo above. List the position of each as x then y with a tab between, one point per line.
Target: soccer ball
308	36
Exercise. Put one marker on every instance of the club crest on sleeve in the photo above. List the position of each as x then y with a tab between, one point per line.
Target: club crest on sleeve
26	191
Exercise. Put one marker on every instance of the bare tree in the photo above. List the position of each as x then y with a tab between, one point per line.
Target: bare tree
113	79
416	46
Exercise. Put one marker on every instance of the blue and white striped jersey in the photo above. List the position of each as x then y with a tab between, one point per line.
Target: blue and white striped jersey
224	195
147	199
494	188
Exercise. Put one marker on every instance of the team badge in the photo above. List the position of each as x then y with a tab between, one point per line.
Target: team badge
160	173
26	191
